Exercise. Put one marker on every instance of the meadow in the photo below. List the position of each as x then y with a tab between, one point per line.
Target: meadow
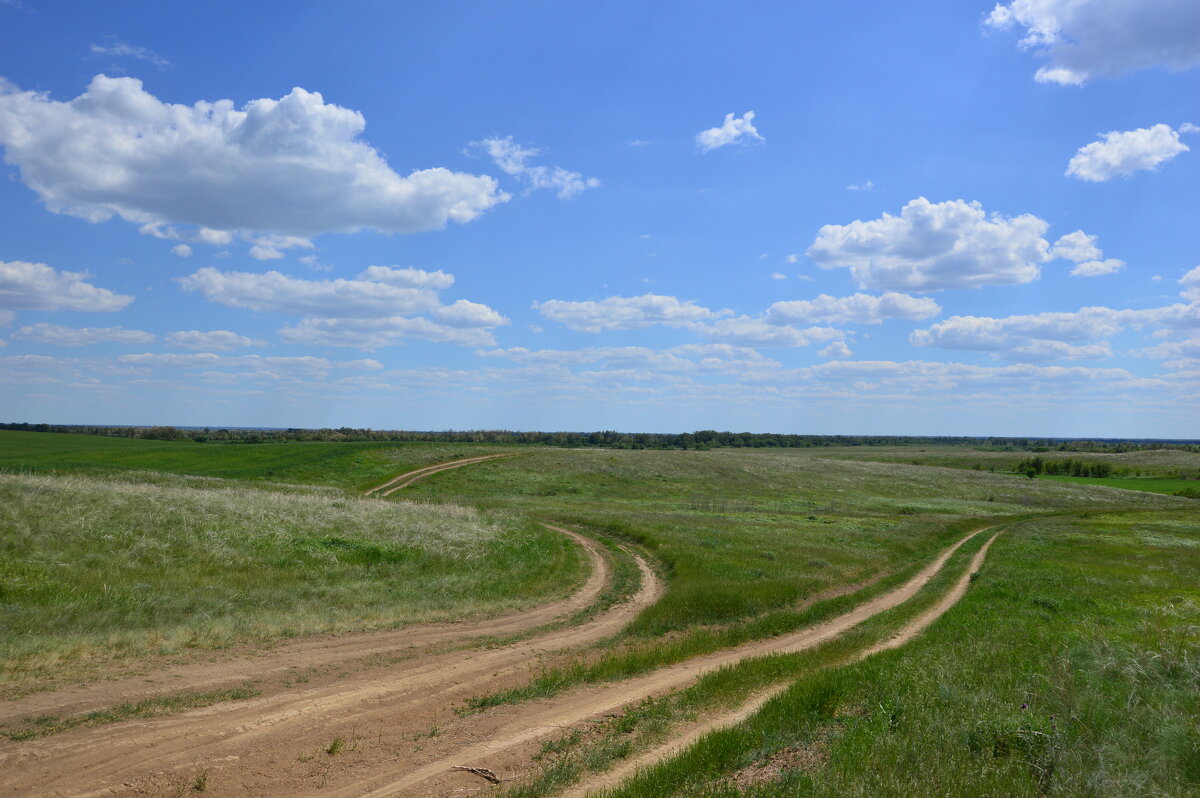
1069	668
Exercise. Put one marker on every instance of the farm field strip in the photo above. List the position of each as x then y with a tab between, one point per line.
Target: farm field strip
404	480
748	708
540	719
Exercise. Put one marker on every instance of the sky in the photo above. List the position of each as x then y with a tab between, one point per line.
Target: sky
934	217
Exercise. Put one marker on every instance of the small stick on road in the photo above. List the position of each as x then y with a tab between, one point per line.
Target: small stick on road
482	772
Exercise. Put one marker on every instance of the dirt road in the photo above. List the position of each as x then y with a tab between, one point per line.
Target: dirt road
301	657
258	746
404	480
693	732
503	741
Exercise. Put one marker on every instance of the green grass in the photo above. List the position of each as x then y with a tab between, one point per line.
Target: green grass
1165	485
1068	669
100	574
566	760
351	466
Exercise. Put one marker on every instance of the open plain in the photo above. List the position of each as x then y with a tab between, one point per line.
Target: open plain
183	618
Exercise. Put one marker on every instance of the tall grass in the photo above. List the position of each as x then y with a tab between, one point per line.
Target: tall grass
100	573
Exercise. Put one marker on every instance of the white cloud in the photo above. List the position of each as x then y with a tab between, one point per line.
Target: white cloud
625	313
212	340
935	246
285	368
750	331
858	308
80	336
1191	285
1123	153
407	277
294	166
1017	333
793	258
778	276
732	131
689	358
36	286
835	350
1103	38
514	160
867	186
182	250
1188	348
279	293
119	48
371	334
1051	336
378	308
1096	268
1077	246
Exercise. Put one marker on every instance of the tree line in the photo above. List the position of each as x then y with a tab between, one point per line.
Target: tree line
701	439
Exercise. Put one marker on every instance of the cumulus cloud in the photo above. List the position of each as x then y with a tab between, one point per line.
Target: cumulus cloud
1096	268
293	166
1053	336
1191	285
1077	246
212	340
36	286
381	306
1123	153
935	246
858	308
625	313
1081	248
732	131
80	336
1081	39
514	160
182	250
752	331
835	350
275	292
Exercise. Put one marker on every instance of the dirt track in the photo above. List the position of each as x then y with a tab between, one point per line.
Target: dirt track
404	480
695	731
503	741
255	746
301	656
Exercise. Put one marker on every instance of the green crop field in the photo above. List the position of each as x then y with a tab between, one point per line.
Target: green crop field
1069	668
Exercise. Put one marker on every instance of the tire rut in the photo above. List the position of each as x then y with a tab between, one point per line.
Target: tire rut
263	734
488	741
694	732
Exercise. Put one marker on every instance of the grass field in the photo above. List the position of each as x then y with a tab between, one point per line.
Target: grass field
1167	485
99	573
1070	667
351	466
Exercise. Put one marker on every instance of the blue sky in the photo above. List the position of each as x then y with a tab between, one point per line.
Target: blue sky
907	218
